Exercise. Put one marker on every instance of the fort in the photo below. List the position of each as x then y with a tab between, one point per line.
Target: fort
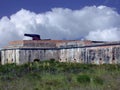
80	51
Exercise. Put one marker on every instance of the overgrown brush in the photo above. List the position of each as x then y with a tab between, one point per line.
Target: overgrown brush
59	75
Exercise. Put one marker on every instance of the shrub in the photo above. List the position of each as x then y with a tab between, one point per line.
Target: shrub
52	60
83	78
34	76
98	80
8	77
52	82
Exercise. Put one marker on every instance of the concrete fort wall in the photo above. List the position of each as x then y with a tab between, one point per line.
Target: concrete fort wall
96	55
89	54
29	55
10	56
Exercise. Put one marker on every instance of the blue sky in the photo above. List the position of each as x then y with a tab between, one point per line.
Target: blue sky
60	19
8	7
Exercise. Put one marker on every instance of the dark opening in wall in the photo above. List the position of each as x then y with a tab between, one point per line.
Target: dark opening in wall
74	60
36	60
66	59
12	60
113	58
100	61
60	59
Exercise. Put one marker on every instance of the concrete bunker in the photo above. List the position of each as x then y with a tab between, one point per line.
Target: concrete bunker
38	49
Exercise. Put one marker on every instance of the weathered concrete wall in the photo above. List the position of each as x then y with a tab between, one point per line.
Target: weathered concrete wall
104	54
63	50
70	55
96	55
27	55
31	55
10	56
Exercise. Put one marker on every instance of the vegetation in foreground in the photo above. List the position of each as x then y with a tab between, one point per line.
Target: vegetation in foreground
52	75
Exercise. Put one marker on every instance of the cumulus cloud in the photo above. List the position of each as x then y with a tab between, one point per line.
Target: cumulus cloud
105	35
93	23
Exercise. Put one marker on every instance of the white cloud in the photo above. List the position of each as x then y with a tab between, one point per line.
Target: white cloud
93	23
105	35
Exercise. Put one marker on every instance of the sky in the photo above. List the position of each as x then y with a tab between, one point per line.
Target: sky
8	7
60	19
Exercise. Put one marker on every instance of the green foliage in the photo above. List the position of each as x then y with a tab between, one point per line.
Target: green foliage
83	78
34	76
52	60
54	75
98	80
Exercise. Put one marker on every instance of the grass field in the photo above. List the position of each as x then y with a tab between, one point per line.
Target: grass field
52	75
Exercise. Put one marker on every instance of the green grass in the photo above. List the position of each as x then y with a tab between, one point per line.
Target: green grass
52	75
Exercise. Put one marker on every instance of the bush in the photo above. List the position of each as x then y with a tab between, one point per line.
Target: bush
52	82
52	60
83	78
98	80
34	76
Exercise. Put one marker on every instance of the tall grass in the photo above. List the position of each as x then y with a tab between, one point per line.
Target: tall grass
53	75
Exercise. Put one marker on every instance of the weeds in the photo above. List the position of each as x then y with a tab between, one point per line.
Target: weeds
83	78
53	75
